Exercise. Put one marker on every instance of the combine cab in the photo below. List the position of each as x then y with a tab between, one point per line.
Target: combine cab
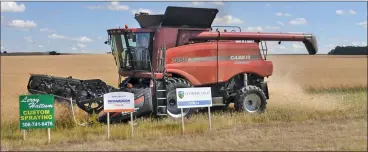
175	50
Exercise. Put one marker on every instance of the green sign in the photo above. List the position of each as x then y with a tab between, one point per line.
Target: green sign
36	111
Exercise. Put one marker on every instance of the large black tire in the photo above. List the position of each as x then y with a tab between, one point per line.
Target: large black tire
251	100
172	84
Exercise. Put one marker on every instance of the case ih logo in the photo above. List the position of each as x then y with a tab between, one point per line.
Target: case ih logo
181	94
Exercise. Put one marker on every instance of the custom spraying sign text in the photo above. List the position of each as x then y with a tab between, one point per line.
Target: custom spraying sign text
119	102
194	97
36	111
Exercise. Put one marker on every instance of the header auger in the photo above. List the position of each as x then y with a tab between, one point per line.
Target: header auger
177	50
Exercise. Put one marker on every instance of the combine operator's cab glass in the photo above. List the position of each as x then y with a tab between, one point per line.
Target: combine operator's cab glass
132	51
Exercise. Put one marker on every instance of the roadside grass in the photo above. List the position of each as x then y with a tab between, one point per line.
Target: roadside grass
353	104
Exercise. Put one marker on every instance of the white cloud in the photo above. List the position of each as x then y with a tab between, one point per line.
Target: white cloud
340	12
197	3
114	6
218	3
363	24
280	23
95	7
12	7
56	36
2	48
330	46
117	7
41	46
297	46
228	19
273	27
298	21
46	30
268	5
81	45
275	48
99	38
283	14
74	48
82	39
352	12
255	29
142	10
21	24
359	43
29	39
355	43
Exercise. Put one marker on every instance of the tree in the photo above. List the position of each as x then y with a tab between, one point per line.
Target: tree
349	50
54	53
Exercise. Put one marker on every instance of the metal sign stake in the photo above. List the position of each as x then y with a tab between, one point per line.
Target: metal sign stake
24	134
132	122
49	135
108	125
209	117
182	119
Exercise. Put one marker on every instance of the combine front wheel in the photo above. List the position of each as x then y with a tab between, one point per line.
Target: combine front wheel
172	110
251	100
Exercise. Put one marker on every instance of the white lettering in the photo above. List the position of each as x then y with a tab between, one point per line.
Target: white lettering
242	57
34	105
30	100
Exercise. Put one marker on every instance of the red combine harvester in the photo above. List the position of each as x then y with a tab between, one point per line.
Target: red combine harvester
177	50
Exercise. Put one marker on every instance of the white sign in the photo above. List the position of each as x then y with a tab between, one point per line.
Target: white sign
193	97
119	102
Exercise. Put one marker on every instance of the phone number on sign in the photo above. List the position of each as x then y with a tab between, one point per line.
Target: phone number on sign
36	124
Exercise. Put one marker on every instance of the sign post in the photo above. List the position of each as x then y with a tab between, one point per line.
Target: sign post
118	102
36	111
194	98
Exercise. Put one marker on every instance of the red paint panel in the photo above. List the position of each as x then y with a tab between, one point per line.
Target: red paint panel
140	99
206	72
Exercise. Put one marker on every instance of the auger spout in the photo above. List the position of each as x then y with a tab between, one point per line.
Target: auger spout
309	40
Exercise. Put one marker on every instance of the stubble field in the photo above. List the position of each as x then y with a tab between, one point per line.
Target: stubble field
317	103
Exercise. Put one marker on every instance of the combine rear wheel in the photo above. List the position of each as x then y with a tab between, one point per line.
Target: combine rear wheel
251	100
172	84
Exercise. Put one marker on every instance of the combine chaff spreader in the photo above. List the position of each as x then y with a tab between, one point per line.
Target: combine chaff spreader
178	49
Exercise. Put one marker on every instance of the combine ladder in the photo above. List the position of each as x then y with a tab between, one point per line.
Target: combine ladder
161	99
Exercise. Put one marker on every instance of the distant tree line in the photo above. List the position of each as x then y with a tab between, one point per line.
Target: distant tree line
54	53
349	50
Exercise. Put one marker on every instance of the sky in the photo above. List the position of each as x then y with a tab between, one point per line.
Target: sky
81	27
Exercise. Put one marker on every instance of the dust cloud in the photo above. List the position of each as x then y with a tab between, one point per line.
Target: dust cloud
286	92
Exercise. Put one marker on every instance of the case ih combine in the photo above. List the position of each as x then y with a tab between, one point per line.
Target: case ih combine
177	50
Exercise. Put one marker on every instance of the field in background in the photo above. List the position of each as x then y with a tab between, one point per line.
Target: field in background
335	112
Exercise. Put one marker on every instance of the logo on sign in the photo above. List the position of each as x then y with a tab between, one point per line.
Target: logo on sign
194	97
181	94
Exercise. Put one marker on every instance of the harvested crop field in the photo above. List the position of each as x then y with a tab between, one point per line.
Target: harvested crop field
320	91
